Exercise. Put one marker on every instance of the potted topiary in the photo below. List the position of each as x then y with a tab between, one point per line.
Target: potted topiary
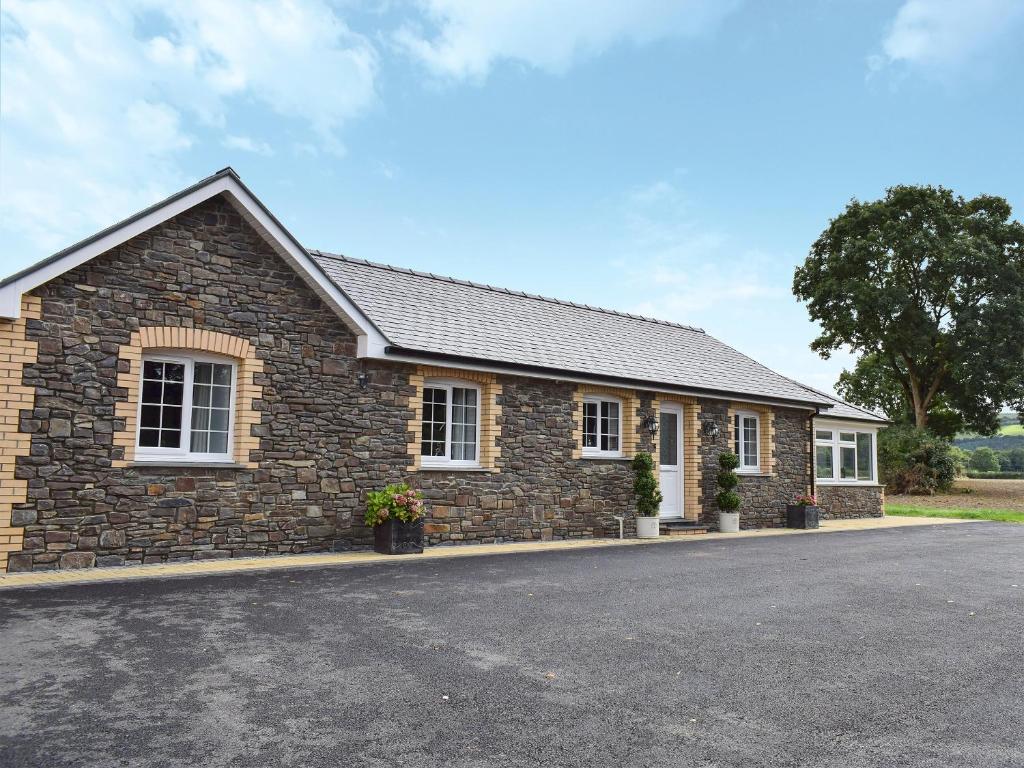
648	496
396	516
727	499
803	512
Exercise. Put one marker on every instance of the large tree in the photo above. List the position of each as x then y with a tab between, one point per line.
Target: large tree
928	288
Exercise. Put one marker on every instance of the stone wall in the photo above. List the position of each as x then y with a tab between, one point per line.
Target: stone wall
765	495
322	438
541	490
845	501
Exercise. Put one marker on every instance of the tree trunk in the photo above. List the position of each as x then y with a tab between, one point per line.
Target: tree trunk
920	416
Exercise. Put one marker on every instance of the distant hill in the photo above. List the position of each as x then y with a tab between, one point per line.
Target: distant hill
1011	435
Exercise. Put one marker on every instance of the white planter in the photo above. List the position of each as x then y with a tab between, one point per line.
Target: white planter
729	522
647	527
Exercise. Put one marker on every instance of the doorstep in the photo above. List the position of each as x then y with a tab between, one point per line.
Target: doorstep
327	559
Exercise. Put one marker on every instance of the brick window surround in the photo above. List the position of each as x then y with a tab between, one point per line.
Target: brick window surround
490	411
630	422
15	353
765	434
166	339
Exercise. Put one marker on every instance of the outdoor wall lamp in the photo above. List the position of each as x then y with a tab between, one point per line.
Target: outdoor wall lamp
651	425
363	379
710	429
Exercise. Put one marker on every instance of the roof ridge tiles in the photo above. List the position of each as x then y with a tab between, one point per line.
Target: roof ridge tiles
499	289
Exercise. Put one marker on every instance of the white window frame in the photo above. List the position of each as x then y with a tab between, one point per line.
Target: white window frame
182	453
595	451
737	441
835	428
446	461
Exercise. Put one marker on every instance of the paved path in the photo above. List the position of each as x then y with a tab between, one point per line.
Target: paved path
321	560
897	646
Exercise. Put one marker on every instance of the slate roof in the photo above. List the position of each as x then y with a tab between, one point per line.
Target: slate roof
427	313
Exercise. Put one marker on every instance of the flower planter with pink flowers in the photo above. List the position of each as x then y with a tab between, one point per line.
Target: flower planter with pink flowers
396	515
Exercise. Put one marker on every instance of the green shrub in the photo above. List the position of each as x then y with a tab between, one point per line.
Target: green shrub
727	499
645	486
913	460
984	459
976	475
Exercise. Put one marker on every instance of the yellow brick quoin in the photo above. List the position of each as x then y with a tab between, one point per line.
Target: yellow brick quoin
190	340
15	352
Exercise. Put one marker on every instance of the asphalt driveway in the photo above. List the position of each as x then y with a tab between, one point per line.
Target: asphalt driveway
898	647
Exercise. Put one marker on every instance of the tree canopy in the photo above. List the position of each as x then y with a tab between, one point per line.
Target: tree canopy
928	289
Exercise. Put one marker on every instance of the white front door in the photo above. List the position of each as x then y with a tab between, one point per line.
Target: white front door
670	451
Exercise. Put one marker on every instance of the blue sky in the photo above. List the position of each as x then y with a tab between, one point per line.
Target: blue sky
672	159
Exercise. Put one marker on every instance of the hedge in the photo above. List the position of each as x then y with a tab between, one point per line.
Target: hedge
974	474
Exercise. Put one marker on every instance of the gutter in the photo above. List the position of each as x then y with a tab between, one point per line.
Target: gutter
401	354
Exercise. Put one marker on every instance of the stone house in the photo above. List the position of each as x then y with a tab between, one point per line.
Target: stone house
193	383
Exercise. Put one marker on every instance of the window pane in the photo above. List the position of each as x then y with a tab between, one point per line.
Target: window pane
200	442
464	423
668	449
863	456
218	442
201	396
204	373
847	462
750	441
824	461
163	393
736	430
152	391
222	375
171	418
609	426
221	397
434	421
847	437
151	416
823	434
590	425
174	394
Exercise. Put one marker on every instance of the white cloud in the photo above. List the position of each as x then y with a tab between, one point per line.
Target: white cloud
100	100
547	34
248	144
692	274
942	35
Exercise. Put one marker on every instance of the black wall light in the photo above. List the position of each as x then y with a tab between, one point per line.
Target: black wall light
710	429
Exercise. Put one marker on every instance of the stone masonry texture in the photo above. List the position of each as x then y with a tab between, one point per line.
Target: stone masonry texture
322	441
839	502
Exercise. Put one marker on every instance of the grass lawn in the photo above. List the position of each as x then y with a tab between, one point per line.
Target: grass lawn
1015	430
1001	515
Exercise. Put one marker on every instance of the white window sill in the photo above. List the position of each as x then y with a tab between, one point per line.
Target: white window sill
848	483
452	468
606	456
751	471
185	463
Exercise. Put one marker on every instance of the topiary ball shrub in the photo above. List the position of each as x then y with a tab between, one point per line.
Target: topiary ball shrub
727	499
645	486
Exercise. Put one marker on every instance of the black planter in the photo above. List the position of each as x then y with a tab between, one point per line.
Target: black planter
394	537
801	516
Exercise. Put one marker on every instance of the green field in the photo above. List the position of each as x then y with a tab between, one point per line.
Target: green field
999	515
1012	430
